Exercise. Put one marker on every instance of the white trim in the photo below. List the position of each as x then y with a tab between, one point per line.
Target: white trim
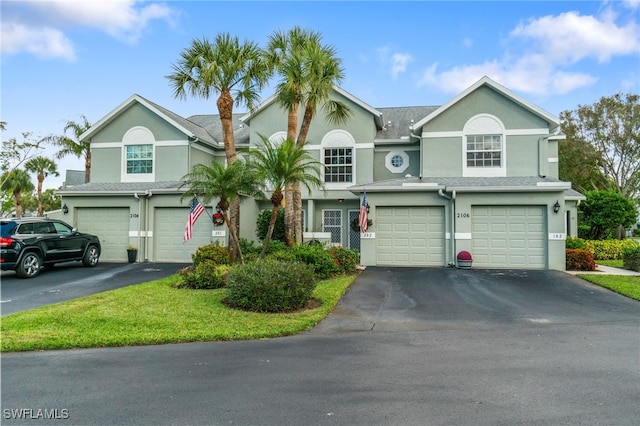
463	235
526	132
451	134
553	159
142	234
338	139
560	185
421	185
106	145
137	136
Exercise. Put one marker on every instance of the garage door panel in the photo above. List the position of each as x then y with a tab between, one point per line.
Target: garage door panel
410	236
111	225
168	234
509	236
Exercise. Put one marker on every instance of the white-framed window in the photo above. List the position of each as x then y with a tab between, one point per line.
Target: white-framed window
396	161
338	158
139	159
332	223
138	155
484	152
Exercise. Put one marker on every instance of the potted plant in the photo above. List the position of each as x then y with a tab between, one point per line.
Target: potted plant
464	259
132	253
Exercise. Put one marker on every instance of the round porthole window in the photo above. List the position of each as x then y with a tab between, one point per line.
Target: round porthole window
397	161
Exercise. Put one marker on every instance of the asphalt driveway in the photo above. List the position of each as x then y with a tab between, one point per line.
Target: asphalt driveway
404	347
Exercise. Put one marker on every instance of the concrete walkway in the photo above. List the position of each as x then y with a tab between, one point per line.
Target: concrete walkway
606	270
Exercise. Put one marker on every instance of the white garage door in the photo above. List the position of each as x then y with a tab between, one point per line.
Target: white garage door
168	234
509	236
111	225
410	236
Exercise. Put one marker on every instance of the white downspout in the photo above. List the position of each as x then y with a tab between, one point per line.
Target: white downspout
146	225
452	224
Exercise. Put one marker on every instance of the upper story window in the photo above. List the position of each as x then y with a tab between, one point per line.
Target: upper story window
138	154
338	158
139	159
484	152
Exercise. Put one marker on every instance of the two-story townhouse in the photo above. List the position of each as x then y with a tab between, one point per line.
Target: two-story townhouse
479	173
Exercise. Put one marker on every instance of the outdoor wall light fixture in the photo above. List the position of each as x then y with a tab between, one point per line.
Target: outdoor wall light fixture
556	207
65	209
367	208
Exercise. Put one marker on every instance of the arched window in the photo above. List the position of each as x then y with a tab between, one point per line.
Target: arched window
138	155
484	146
338	157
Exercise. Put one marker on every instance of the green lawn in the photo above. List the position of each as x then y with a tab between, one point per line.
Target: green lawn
623	284
156	313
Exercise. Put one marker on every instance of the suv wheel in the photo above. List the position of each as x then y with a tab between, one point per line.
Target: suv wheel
91	256
29	265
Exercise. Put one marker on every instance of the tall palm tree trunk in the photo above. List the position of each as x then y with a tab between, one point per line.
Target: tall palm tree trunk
290	204
225	109
40	206
297	190
272	225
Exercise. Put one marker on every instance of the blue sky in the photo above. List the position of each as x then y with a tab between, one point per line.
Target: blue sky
61	59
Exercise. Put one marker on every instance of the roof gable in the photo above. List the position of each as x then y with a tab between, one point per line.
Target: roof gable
272	99
188	128
486	81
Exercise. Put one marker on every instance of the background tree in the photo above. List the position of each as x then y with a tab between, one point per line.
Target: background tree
215	181
603	212
51	200
15	153
71	145
43	167
280	165
17	181
308	71
612	127
233	70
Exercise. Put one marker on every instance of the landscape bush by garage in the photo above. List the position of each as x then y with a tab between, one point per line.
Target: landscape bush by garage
317	256
270	286
631	258
214	253
205	275
580	260
609	249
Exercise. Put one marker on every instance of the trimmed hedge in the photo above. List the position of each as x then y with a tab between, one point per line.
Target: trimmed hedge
270	286
580	260
216	254
206	275
631	258
609	249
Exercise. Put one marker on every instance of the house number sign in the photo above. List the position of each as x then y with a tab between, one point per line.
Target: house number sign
367	235
463	215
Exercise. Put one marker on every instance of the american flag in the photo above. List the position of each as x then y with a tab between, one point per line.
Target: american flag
194	214
362	218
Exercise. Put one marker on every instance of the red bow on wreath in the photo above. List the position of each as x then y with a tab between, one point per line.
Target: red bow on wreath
218	219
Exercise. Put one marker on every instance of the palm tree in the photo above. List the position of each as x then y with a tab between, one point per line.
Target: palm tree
43	166
280	165
73	145
17	181
309	71
214	181
235	71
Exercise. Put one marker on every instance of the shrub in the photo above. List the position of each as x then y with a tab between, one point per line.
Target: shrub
346	259
575	243
609	249
270	286
207	275
631	258
262	226
215	253
580	260
323	263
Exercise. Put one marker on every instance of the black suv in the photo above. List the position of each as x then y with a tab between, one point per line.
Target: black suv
28	244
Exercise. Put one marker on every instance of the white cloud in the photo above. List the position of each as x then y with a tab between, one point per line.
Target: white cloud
548	51
399	62
43	23
40	42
